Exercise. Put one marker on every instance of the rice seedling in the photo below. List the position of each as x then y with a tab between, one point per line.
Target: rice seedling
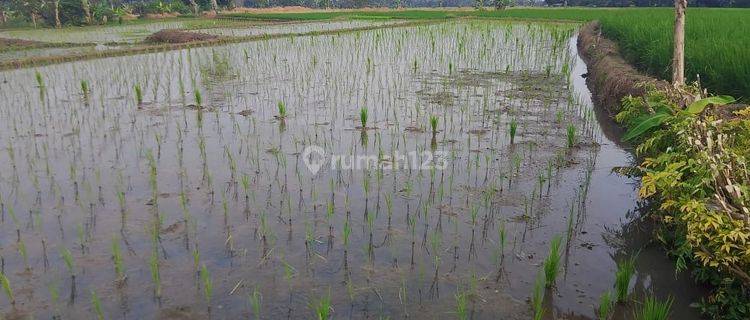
85	89
68	259
255	302
571	135
434	124
7	289
322	307
623	276
363	118
138	94
97	305
653	309
552	262
198	100
207	285
462	311
39	79
153	263
281	108
512	130
117	258
606	303
537	298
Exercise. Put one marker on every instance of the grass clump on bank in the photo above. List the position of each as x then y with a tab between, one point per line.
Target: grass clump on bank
695	168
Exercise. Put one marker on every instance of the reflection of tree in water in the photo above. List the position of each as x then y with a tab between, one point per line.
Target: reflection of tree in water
218	77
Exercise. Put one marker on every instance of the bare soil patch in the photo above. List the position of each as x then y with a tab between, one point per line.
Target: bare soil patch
178	36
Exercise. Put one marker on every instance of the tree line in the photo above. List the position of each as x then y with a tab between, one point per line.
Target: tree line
87	12
647	3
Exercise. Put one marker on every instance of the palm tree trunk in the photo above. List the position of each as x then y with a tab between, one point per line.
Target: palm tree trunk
214	6
57	14
678	59
86	10
195	7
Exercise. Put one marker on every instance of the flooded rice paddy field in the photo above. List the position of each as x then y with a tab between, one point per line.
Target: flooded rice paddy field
199	201
137	32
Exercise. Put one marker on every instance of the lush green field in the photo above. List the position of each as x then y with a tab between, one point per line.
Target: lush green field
717	40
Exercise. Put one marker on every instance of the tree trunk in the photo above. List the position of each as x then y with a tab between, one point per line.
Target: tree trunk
57	14
86	10
195	7
2	17
214	6
678	60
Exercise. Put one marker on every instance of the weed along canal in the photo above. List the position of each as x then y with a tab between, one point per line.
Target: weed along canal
440	170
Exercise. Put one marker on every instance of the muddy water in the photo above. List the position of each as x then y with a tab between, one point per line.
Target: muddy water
225	185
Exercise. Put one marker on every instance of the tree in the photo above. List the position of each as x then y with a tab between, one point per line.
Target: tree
678	58
56	9
195	7
502	4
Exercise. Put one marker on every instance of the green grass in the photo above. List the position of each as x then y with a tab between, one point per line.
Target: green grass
715	41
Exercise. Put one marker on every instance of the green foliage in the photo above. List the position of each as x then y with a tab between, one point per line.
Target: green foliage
694	168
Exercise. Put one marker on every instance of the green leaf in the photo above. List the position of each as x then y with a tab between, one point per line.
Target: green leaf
645	125
698	106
